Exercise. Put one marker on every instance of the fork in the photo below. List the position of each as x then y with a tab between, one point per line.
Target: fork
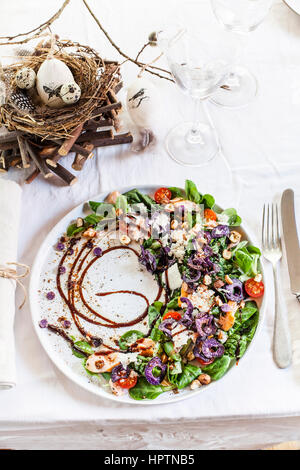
272	251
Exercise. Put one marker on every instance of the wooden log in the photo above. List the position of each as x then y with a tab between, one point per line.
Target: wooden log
48	151
83	149
8	137
80	159
94	124
106	108
117	140
68	143
9	145
32	176
39	162
64	174
23	151
90	136
118	87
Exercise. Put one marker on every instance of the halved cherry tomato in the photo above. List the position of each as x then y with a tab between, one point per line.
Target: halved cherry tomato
209	214
162	196
253	288
127	383
204	363
172	314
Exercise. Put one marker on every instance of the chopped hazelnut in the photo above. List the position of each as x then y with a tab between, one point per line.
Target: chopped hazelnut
226	254
125	240
79	222
89	233
218	301
164	358
119	212
235	236
195	384
190	356
204	379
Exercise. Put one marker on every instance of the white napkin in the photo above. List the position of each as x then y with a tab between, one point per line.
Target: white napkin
10	204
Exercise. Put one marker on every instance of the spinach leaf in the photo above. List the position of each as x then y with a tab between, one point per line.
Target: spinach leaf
217	369
173	304
144	390
233	218
192	192
84	346
169	350
208	200
236	345
176	192
129	337
154	312
136	197
73	230
190	373
140	364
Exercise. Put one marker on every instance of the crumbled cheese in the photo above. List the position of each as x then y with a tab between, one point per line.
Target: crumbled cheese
181	337
174	277
126	359
202	299
222	336
180	241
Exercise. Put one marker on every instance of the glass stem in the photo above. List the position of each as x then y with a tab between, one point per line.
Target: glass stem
195	136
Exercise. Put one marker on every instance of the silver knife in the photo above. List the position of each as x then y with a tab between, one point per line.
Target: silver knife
291	240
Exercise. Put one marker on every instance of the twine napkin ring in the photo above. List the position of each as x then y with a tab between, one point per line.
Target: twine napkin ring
10	273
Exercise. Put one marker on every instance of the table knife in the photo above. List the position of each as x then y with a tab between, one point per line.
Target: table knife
291	240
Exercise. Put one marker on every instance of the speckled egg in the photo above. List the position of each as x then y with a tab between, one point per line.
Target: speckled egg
70	93
25	78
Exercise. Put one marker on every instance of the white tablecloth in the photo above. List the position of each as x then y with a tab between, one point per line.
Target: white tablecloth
260	158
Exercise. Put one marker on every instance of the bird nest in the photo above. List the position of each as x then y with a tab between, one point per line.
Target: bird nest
94	75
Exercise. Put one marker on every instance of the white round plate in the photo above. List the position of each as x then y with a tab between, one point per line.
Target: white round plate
43	279
294	5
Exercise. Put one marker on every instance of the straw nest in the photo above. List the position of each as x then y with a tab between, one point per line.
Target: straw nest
94	75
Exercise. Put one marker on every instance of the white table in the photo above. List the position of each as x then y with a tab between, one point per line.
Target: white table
255	405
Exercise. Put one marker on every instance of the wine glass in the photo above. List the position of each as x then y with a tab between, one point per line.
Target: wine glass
240	17
198	72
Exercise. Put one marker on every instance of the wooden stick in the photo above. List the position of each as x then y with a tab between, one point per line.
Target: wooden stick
8	137
80	159
9	145
64	174
39	162
90	136
48	151
32	176
68	143
94	124
106	108
117	140
118	87
83	149
23	151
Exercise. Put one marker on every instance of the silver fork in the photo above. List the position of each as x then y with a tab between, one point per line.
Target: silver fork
271	248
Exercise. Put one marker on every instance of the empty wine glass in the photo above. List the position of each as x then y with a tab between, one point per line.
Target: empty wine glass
198	72
241	17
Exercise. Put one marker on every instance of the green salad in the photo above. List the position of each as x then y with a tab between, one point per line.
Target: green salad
208	279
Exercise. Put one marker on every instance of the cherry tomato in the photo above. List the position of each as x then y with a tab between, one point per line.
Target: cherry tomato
204	363
172	314
162	196
127	383
254	288
209	214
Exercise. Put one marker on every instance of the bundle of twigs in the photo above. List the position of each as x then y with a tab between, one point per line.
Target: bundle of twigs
94	75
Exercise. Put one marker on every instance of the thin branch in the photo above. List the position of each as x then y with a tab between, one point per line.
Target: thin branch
123	54
142	50
36	32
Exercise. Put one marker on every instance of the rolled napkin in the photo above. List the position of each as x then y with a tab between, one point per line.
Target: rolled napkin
10	206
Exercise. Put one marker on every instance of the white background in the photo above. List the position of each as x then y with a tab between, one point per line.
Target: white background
261	147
